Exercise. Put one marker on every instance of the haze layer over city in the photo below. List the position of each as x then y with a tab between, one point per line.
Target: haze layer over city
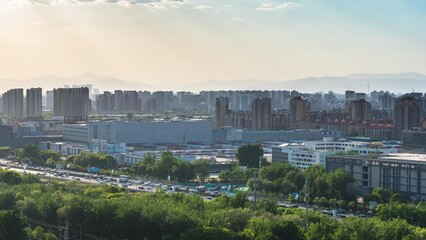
211	45
212	119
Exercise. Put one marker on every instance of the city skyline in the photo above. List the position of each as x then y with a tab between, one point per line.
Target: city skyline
170	44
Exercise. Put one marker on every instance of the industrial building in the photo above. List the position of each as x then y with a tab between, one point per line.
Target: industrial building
139	133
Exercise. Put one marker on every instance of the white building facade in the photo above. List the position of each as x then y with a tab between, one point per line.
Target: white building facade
303	155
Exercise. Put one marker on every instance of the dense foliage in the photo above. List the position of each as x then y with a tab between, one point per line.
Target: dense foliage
169	165
249	155
105	211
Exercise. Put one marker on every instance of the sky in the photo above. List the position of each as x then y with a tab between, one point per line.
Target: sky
181	42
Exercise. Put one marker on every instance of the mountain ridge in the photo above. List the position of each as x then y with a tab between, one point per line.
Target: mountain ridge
360	82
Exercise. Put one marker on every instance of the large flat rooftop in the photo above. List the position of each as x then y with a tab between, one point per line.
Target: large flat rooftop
401	157
405	156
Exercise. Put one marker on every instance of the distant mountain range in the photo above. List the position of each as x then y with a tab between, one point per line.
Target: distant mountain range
397	83
53	81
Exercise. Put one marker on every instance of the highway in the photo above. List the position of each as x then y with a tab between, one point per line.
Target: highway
134	185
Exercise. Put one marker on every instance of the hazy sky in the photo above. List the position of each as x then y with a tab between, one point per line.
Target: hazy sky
171	42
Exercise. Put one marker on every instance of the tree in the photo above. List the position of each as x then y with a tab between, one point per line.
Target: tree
201	168
249	155
46	154
323	202
373	197
352	205
279	170
208	233
286	230
258	228
397	198
12	225
322	230
338	182
164	167
386	194
268	205
239	200
10	177
31	152
5	152
183	171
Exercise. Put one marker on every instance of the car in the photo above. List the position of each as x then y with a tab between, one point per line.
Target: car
141	187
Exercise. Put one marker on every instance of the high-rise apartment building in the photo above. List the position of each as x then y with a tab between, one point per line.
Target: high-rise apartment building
222	110
261	114
299	109
34	103
386	102
408	114
71	103
360	96
49	100
350	95
105	102
118	102
359	110
13	103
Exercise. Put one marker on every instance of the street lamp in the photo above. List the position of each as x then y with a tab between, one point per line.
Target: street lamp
255	184
307	205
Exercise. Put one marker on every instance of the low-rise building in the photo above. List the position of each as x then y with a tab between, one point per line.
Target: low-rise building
414	139
305	154
399	172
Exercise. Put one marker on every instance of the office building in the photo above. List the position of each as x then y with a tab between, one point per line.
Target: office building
408	114
34	104
73	104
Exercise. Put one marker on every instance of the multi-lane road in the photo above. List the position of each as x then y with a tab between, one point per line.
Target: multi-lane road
136	185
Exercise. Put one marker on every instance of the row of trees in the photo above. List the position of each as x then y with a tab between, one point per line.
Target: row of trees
86	159
31	154
111	212
173	167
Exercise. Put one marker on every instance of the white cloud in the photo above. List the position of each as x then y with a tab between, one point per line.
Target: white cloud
237	19
203	7
271	7
153	4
